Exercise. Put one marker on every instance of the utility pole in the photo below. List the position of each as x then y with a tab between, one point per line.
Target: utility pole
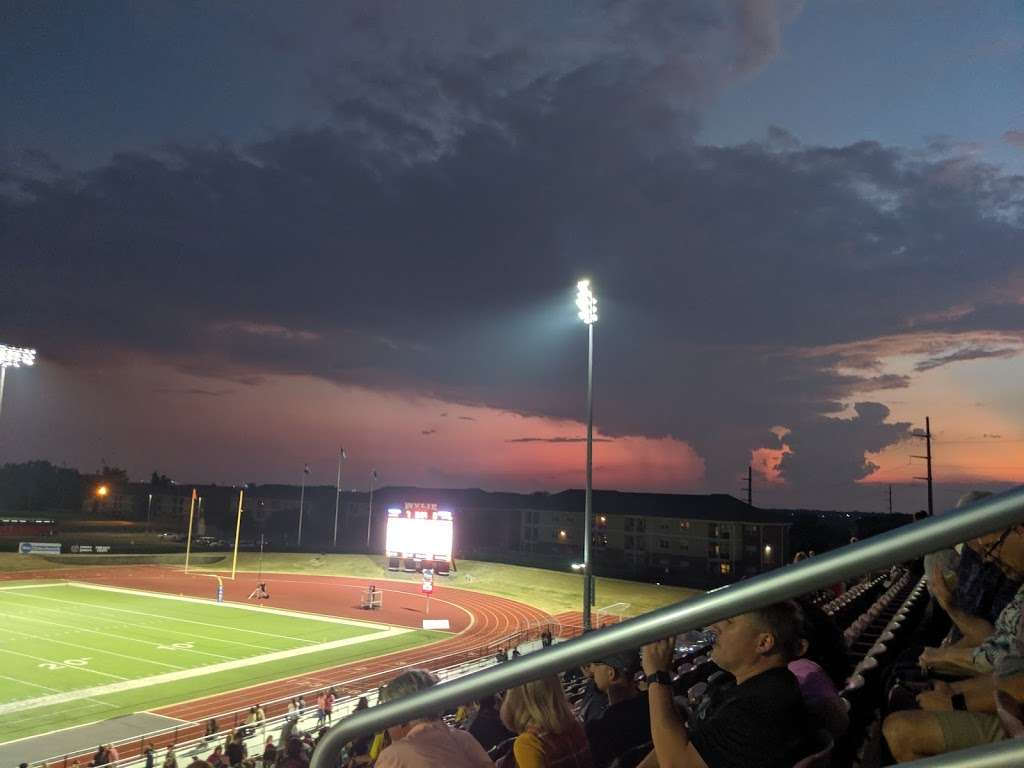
927	436
749	487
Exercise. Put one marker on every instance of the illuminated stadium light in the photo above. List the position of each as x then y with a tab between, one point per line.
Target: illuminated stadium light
586	302
15	357
102	491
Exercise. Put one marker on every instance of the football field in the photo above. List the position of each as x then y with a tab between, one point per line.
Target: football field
73	653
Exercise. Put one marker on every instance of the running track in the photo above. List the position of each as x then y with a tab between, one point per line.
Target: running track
480	620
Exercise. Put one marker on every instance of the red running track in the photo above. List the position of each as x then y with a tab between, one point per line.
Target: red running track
478	619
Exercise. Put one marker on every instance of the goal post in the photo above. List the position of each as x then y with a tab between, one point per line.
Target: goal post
611	614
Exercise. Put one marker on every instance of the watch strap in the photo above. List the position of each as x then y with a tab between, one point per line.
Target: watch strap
662	677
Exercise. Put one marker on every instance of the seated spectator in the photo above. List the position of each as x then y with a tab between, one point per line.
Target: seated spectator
294	754
958	715
427	741
593	703
216	758
486	726
170	758
757	721
626	722
1002	650
548	733
269	752
358	750
821	670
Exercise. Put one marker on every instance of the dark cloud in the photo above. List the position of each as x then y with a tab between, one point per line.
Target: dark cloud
827	451
428	431
466	418
969	353
558	440
427	238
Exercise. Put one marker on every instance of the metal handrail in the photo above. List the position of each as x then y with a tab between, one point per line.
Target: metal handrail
899	545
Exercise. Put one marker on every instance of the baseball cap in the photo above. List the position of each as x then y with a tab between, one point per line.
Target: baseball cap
627	662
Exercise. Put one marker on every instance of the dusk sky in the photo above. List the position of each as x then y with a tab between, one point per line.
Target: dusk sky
244	234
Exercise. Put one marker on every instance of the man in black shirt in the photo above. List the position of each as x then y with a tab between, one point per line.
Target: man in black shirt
757	722
626	722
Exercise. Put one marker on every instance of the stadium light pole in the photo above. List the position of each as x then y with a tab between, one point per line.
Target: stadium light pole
337	495
586	302
13	357
369	512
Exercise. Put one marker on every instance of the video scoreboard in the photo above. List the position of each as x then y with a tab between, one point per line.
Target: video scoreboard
419	531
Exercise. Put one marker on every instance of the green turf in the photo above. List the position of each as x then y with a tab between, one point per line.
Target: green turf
67	639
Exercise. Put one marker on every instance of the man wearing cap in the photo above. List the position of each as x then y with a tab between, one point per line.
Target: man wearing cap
626	722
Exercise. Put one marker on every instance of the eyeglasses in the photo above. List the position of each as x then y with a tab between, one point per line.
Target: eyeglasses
993	550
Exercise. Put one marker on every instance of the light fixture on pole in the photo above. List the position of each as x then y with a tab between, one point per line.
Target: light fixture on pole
337	495
369	513
586	302
13	357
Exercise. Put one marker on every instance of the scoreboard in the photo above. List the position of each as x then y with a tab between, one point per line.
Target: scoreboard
419	531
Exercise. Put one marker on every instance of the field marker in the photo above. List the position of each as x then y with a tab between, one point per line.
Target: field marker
170	618
33	586
90	648
51	661
264	609
186	674
152	643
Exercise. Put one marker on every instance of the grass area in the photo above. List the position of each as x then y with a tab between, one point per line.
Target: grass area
72	654
551	591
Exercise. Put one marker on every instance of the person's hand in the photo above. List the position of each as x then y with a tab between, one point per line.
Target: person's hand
939	589
929	658
935	701
657	656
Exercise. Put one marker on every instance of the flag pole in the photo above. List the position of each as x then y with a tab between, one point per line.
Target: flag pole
302	499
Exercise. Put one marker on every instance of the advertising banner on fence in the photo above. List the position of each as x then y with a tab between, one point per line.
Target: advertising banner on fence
88	549
35	547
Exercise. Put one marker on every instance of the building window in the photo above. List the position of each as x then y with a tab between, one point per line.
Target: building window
628	524
714	551
752	529
641	525
663	543
629	542
725	568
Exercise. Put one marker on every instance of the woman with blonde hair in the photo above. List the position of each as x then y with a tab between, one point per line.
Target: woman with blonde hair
550	736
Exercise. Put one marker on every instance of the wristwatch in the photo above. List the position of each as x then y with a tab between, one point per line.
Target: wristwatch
959	702
662	677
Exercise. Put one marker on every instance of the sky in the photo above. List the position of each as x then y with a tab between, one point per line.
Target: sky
243	235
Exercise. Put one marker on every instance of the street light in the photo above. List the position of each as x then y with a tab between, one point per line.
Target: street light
13	357
102	491
586	302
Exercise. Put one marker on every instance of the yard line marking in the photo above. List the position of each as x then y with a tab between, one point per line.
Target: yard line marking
153	643
90	648
170	618
51	661
32	586
264	609
190	634
186	674
45	688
